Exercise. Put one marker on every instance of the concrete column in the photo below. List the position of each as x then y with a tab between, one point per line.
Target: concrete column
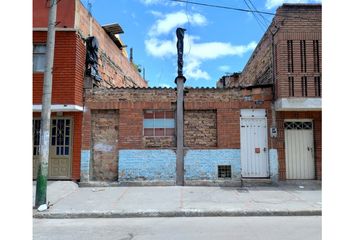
180	152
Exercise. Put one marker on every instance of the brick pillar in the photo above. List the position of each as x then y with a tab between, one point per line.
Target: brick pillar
86	146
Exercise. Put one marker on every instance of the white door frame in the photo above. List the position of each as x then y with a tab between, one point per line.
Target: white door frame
260	114
287	160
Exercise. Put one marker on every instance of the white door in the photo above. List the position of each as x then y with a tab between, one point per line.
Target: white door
299	150
254	150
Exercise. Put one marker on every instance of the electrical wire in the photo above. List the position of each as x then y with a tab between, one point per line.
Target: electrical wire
189	31
260	23
265	20
240	9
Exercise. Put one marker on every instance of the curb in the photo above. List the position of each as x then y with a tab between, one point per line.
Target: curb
187	213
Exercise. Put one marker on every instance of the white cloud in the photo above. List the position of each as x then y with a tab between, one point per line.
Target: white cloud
275	3
161	2
156	13
192	69
195	53
224	68
160	48
177	19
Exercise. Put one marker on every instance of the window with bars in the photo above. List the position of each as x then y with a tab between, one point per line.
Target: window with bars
290	56
303	55
318	86
61	136
297	125
291	86
304	86
224	171
159	123
316	56
39	51
36	129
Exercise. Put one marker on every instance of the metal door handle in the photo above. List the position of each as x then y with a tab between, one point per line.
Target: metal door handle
265	149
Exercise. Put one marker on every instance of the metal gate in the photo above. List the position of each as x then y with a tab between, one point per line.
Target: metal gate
299	150
60	150
254	150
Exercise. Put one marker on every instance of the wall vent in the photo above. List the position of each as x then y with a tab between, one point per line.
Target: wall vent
224	171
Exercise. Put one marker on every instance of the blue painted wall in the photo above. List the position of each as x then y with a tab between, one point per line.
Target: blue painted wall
85	165
203	164
273	163
146	165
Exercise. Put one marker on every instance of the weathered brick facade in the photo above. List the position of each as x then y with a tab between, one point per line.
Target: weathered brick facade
104	141
74	26
211	121
200	129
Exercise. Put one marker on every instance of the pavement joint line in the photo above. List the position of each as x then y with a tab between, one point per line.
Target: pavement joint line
181	199
64	196
185	213
121	196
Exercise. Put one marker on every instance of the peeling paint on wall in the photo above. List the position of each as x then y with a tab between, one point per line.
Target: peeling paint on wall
103	147
146	165
85	165
273	164
203	164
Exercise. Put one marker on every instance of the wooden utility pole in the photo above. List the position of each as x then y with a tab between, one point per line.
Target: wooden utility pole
42	174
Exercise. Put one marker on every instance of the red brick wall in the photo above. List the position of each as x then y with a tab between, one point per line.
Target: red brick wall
279	142
68	70
114	66
76	144
65	13
132	103
294	22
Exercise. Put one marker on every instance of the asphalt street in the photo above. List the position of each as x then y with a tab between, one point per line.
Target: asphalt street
194	228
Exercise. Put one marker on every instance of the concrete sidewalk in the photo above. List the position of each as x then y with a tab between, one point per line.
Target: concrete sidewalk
70	201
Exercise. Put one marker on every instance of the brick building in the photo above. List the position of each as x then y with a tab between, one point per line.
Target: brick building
289	57
264	123
130	135
75	26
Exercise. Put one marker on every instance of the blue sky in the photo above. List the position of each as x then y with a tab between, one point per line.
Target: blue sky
217	41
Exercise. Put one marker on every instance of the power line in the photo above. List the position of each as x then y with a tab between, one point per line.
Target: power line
260	23
266	21
239	9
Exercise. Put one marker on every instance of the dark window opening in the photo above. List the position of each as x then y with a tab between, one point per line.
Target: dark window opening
316	56
304	86
303	55
318	86
291	86
290	56
224	171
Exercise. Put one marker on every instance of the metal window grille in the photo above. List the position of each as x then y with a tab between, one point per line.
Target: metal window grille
297	125
224	171
36	129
